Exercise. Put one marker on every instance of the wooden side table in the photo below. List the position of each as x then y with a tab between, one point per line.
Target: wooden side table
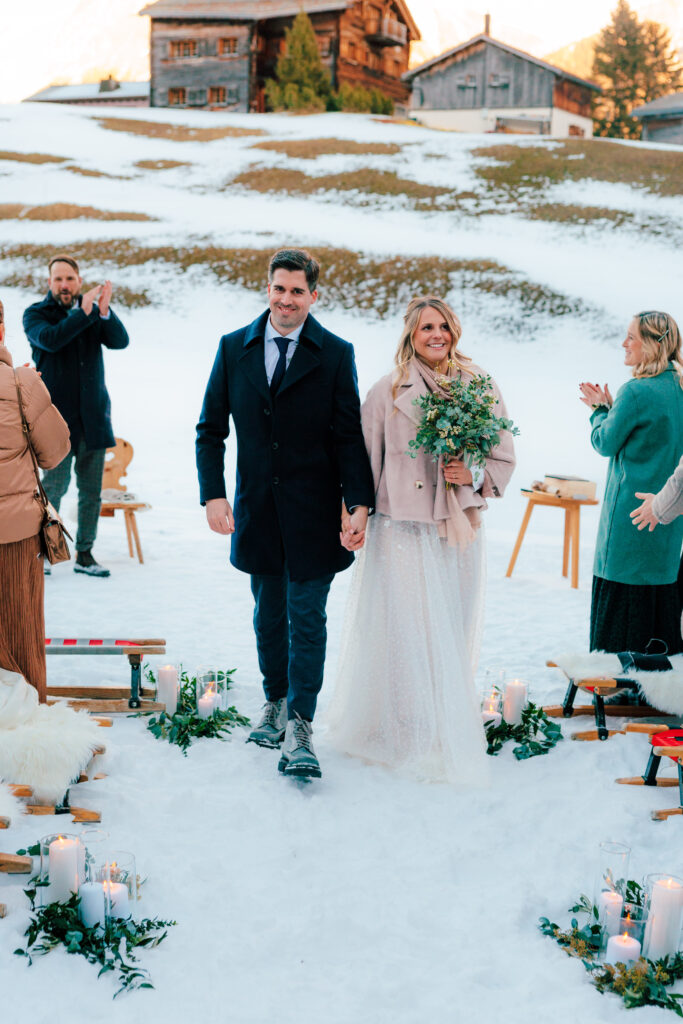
572	513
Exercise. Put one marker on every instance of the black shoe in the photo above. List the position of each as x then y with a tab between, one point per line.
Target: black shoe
86	563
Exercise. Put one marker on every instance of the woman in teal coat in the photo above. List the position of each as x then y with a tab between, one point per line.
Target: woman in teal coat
635	597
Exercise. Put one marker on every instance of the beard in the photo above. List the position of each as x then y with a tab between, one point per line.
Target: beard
65	299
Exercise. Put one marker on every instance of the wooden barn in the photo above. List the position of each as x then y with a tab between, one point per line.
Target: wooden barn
219	53
662	119
484	85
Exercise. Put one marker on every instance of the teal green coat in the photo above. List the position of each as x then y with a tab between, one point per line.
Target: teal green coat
642	434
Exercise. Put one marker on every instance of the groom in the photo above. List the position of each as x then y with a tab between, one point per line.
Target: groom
290	387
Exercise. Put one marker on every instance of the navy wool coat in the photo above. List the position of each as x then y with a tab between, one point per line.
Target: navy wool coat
297	453
67	350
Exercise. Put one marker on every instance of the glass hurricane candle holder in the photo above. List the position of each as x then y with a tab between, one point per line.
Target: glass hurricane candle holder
491	707
117	877
223	683
633	922
167	688
62	867
208	697
663	931
95	841
515	699
610	880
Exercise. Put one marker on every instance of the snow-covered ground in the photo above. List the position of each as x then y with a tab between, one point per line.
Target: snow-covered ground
365	898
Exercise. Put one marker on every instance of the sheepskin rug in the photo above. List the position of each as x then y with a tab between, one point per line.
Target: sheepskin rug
42	746
663	690
10	807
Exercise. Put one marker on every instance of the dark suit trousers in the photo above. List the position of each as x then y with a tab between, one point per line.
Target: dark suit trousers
291	638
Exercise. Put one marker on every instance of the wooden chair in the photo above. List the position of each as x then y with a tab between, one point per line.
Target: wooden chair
572	512
116	465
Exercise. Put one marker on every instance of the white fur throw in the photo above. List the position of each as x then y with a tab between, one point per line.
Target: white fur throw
10	807
41	746
663	690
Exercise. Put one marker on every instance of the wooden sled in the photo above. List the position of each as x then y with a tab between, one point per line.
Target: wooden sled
666	741
599	688
105	699
78	814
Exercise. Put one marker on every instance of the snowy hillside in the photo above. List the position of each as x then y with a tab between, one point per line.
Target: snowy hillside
367	898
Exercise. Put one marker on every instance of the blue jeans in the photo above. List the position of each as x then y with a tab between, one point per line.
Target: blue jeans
89	468
291	638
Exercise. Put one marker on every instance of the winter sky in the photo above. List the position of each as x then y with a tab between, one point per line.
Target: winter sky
45	41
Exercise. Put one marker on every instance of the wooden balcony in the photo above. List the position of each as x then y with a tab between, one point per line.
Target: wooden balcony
386	32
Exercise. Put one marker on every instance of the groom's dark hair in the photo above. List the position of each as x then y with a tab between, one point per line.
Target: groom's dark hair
295	259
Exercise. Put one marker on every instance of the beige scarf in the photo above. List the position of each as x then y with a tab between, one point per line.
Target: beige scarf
456	524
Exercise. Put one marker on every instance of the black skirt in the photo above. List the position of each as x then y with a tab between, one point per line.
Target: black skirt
626	617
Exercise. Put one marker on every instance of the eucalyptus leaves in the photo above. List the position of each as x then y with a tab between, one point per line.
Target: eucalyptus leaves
185	725
536	734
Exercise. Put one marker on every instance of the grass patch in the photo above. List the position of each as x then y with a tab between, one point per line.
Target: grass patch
161	165
31	158
366	180
175	132
65	211
123	296
566	213
525	167
349	280
309	149
87	172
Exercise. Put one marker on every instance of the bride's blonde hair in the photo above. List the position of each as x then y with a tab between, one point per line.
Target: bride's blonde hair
661	344
406	349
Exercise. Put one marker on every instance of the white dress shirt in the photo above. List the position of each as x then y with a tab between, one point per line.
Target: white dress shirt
271	352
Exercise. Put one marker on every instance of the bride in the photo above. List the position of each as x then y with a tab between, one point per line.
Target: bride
405	692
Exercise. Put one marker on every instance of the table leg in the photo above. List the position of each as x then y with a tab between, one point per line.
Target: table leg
520	536
576	513
129	535
136	537
567	542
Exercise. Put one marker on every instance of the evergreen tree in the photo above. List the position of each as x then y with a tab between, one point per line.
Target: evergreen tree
634	63
301	82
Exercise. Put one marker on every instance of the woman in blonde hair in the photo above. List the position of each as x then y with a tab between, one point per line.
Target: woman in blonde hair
635	597
405	692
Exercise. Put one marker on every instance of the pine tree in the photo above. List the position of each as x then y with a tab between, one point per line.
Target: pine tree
301	82
634	63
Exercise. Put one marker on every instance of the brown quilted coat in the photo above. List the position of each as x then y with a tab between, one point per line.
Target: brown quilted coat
20	507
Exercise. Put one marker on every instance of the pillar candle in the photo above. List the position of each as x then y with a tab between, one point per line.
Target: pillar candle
514	701
622	949
610	905
63	868
92	904
664	923
117	894
492	717
207	704
167	688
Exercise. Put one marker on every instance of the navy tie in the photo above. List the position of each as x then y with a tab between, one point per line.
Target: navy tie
281	365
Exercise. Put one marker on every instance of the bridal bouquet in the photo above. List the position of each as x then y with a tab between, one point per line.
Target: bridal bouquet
461	423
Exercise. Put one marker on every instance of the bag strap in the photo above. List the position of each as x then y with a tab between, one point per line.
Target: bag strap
29	445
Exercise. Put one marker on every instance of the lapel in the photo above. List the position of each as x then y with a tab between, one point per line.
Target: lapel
407	393
306	356
251	360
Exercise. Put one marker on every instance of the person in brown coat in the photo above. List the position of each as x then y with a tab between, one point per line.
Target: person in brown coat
22	617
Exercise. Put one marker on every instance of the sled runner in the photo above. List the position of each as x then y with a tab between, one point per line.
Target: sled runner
666	741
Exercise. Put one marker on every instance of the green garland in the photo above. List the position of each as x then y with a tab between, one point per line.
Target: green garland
185	725
113	947
536	734
643	983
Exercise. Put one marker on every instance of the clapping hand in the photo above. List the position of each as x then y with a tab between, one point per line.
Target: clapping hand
593	395
89	299
105	298
643	515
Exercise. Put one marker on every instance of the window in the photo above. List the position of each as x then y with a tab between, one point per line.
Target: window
351	51
218	95
183	48
466	82
196	97
177	97
233	94
324	46
499	81
227	47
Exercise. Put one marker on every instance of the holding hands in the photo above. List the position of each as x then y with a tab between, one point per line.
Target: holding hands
593	395
643	515
352	536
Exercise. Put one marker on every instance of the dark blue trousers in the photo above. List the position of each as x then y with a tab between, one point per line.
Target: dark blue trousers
291	637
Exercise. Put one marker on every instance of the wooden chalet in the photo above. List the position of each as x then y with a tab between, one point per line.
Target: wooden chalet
662	119
219	53
485	85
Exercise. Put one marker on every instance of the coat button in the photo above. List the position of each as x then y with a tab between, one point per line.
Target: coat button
266	412
419	484
276	479
275	446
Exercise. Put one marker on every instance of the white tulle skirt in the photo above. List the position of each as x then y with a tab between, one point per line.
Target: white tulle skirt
404	695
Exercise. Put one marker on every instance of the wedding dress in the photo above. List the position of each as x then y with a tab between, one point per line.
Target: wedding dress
405	695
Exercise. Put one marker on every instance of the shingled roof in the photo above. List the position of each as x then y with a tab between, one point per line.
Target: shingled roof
665	106
254	10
